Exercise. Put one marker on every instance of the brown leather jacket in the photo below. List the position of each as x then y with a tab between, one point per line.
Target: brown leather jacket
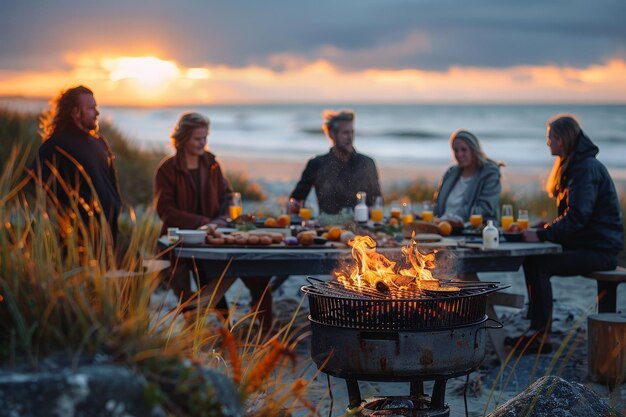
177	195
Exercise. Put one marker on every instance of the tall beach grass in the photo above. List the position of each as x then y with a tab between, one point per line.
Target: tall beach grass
64	292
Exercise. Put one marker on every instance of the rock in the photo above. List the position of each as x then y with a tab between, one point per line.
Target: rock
552	396
197	390
97	388
88	391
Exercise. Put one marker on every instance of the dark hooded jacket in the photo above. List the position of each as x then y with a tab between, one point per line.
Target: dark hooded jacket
181	204
589	214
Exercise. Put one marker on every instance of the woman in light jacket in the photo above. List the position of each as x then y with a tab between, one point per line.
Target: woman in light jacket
473	182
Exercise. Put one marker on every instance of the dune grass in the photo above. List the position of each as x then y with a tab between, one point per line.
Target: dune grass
63	291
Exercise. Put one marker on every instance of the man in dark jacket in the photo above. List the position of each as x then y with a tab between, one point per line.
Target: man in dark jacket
75	163
341	173
589	224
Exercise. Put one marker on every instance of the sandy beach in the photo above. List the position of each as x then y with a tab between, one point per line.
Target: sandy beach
281	171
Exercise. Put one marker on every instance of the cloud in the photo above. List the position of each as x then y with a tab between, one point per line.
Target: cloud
320	81
352	34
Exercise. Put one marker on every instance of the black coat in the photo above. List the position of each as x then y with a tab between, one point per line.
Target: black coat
589	214
68	151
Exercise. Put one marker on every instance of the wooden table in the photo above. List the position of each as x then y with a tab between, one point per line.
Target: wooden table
463	258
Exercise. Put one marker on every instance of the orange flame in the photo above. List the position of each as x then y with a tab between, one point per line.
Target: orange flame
373	270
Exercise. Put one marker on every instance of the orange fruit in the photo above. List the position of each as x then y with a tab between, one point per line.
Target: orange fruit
445	228
270	222
334	233
284	220
306	239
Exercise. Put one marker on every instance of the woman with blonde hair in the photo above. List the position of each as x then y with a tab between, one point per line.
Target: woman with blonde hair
193	193
473	182
589	225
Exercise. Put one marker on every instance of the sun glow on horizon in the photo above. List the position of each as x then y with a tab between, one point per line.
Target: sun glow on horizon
147	71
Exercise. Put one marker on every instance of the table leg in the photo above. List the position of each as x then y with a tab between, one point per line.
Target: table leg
215	290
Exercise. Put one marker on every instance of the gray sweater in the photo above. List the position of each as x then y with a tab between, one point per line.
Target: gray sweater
483	191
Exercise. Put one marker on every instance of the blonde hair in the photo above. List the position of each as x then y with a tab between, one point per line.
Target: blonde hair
185	126
566	128
332	119
474	144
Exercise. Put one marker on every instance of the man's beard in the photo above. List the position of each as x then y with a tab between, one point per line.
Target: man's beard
91	127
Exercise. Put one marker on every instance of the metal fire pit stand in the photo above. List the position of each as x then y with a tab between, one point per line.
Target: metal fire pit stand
416	391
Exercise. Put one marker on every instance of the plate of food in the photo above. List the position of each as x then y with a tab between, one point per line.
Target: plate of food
514	233
513	236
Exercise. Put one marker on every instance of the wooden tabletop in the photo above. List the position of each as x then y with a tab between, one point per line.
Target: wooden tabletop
322	259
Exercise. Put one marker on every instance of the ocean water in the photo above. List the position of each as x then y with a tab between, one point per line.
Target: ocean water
398	135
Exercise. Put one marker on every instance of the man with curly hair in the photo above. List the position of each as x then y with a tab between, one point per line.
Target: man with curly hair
75	163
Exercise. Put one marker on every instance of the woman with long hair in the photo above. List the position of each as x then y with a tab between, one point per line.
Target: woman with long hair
473	182
589	225
192	193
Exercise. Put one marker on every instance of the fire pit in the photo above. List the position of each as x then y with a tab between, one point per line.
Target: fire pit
385	331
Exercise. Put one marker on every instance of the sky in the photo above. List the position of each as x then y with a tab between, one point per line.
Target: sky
164	52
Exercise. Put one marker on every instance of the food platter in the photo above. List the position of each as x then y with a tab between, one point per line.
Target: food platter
327	245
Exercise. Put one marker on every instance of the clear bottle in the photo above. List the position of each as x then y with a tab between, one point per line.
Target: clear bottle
491	237
360	210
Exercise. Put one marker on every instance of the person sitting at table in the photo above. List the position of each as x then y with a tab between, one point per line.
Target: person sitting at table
193	193
341	173
589	225
474	182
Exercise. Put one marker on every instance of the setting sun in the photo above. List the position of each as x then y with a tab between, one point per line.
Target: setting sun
147	71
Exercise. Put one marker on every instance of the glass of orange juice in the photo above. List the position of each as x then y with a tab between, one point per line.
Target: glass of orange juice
522	219
407	213
396	209
476	217
305	213
507	216
235	208
427	211
377	210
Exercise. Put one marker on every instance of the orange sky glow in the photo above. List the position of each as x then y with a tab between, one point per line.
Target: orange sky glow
154	81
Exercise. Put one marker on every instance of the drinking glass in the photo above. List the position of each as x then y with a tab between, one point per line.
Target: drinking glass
235	209
522	219
305	212
427	211
507	216
396	209
407	213
476	217
377	210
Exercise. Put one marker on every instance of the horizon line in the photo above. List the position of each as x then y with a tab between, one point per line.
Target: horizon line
337	103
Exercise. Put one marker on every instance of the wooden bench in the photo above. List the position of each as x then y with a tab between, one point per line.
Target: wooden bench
607	287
